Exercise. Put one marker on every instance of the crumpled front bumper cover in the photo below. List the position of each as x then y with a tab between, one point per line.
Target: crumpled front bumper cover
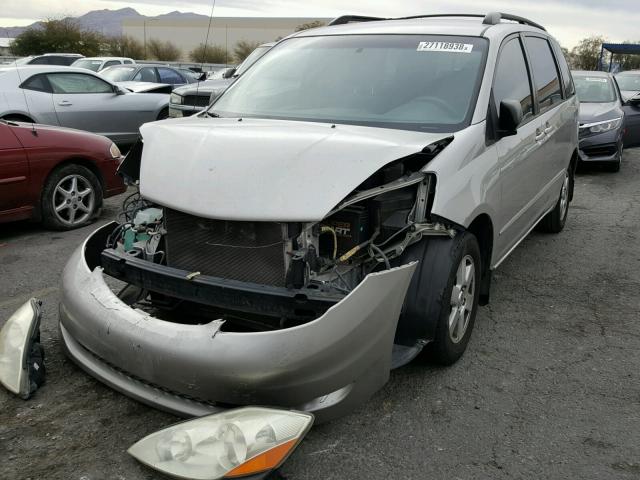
327	366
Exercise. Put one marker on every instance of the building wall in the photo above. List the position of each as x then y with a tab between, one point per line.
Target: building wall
225	31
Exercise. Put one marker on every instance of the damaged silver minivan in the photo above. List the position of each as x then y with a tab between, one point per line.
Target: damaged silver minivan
336	211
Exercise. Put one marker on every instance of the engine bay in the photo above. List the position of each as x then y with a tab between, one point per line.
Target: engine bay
307	266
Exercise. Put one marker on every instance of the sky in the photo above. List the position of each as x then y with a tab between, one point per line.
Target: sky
568	20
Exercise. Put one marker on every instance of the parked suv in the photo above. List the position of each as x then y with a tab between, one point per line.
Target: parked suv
336	211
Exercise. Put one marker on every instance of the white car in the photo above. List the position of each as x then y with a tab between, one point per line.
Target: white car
77	98
95	64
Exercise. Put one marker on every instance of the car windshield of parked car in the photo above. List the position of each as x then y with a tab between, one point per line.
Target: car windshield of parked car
93	65
629	82
251	59
594	89
118	74
413	82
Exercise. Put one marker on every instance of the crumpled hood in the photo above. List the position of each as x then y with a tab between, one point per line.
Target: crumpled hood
143	87
595	112
264	170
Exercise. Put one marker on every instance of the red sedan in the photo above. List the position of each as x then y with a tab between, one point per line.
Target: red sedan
55	175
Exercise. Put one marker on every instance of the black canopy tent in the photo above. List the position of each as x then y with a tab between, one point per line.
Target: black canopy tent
617	48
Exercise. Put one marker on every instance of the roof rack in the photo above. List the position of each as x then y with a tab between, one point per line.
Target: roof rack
493	18
344	19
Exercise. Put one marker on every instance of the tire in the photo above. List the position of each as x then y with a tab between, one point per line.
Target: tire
554	221
164	114
458	301
77	204
615	166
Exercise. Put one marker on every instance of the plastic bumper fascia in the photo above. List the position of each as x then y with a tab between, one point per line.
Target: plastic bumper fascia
327	366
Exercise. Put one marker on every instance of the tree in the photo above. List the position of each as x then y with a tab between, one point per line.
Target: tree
123	46
308	25
165	51
243	48
208	54
587	52
57	36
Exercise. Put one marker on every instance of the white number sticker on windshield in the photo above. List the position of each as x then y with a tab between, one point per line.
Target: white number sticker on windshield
594	79
445	47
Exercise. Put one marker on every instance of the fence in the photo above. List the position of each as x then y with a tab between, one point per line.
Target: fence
206	67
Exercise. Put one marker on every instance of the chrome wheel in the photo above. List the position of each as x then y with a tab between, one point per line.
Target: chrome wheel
73	200
462	299
564	196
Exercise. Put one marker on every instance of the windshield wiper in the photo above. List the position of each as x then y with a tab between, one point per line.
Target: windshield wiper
212	114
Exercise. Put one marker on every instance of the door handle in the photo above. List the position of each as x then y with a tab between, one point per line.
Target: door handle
548	128
64	103
540	134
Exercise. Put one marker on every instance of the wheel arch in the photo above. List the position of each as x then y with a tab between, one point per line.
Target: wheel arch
19	117
482	228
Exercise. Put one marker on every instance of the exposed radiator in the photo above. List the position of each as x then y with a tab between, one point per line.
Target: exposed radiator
245	251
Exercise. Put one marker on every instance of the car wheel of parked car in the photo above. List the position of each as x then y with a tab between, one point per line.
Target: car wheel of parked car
553	222
458	301
71	198
615	166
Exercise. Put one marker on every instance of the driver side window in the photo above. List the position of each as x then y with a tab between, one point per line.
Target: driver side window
511	78
77	83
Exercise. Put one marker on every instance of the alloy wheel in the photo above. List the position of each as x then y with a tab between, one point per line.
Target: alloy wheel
73	200
462	299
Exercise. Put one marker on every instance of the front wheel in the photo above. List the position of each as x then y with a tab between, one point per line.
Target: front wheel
459	300
71	198
553	222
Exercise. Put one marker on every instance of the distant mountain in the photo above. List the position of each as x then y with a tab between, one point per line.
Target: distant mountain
107	22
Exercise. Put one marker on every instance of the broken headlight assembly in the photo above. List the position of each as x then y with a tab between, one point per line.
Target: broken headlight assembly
21	355
236	443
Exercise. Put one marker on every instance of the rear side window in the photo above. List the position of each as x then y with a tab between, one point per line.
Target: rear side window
38	83
128	62
567	80
40	61
545	73
111	63
511	78
170	76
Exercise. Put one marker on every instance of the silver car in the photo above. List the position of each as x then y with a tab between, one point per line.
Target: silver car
77	98
338	210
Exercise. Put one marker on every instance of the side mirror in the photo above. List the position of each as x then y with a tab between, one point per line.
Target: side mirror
202	77
510	117
229	73
118	90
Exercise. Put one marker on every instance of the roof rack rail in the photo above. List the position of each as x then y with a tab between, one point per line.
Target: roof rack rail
344	19
494	18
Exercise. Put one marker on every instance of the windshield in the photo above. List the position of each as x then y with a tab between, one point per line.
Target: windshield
594	89
629	82
118	74
93	65
414	82
251	59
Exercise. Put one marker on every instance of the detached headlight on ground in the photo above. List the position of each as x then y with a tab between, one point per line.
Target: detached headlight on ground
235	443
175	99
21	355
601	127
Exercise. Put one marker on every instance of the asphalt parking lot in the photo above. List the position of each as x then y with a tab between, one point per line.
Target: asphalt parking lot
549	387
